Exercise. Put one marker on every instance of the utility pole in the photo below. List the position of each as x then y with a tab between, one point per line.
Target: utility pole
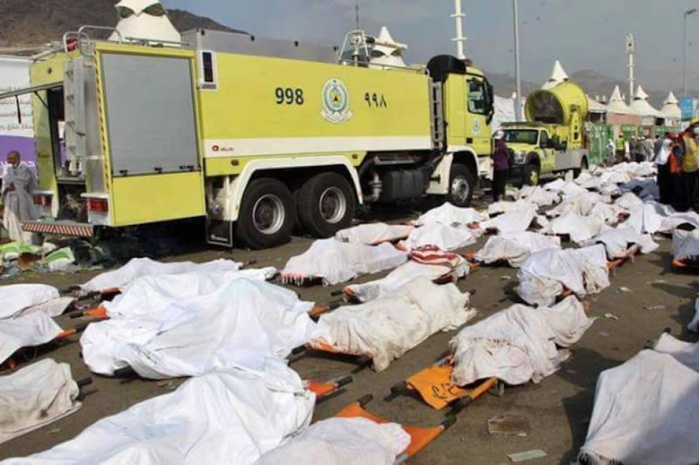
460	39
518	96
356	13
687	14
630	50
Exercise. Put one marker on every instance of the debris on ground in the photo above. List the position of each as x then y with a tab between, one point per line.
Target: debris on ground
527	455
509	425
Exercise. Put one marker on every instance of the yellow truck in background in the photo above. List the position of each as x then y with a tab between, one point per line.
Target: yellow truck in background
255	135
552	139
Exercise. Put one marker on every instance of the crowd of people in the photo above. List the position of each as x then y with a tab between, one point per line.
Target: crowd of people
676	156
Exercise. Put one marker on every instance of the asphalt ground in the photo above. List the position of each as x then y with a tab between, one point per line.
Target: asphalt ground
645	298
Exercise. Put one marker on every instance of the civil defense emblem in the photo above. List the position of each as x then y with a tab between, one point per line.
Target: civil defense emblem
336	102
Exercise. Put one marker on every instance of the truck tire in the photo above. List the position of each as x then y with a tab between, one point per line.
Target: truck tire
583	167
326	204
266	215
532	175
462	183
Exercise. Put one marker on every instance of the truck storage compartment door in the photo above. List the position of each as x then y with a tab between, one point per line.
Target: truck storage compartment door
151	128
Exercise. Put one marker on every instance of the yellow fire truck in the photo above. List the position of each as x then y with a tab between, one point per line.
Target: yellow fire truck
255	135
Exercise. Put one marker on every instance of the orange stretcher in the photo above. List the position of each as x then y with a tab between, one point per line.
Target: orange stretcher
325	390
435	387
420	437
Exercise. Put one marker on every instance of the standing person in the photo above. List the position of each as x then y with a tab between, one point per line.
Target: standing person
646	150
661	159
658	144
501	166
620	145
633	148
675	165
18	185
690	164
611	149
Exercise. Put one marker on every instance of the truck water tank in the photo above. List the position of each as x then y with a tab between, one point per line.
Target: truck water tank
556	105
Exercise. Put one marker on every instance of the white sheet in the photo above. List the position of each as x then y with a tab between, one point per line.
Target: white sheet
629	201
388	327
506	206
449	214
543	275
441	236
579	228
31	330
617	242
538	196
646	413
685	352
685	244
649	218
342	441
336	262
512	221
140	267
35	396
230	417
374	233
581	204
404	274
18	297
515	247
152	294
200	334
518	345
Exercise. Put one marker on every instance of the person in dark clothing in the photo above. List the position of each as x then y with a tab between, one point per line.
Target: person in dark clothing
663	150
501	166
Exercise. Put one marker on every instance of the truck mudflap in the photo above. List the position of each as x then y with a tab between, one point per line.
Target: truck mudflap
61	228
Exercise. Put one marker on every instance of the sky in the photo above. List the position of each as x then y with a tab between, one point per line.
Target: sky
583	34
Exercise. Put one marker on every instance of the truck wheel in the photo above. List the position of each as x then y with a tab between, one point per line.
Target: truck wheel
461	186
532	174
583	167
326	204
266	215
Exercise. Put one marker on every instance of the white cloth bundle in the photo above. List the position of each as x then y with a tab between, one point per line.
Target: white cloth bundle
449	214
543	276
19	299
140	267
203	333
35	396
646	413
518	345
388	327
515	247
374	233
618	241
441	236
30	330
336	262
579	228
232	417
342	441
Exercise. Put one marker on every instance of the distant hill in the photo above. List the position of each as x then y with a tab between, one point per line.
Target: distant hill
594	83
26	23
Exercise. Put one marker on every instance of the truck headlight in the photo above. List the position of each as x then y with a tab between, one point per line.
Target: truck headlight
519	158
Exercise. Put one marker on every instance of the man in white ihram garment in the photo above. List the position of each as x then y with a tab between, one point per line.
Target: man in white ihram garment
18	184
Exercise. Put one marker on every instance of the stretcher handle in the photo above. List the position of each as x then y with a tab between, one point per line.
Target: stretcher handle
344	381
364	400
84	382
69	289
337	293
448	422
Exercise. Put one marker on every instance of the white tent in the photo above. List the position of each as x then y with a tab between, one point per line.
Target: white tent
387	52
641	106
671	109
594	106
504	112
617	105
144	19
558	75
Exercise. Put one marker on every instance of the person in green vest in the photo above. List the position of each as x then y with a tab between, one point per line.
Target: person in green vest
690	163
620	145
